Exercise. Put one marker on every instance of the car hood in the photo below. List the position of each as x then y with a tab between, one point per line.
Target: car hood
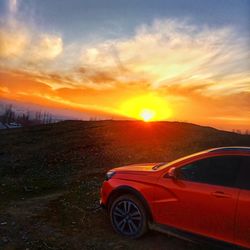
144	167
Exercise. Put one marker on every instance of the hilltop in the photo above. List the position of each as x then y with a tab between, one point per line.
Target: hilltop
50	177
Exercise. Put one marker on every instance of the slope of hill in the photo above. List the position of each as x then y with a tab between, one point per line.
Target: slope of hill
50	177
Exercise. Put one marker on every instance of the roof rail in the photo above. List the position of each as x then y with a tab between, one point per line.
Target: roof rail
230	149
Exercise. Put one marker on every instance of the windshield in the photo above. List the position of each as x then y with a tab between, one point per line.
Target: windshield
167	164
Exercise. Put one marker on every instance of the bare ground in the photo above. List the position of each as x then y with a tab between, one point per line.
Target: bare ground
55	221
50	178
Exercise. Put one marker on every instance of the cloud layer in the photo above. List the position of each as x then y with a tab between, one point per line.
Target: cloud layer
192	67
22	44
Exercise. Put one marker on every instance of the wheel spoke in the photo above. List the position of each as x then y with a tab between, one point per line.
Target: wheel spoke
130	227
121	224
133	225
119	211
136	218
135	214
124	206
118	214
128	207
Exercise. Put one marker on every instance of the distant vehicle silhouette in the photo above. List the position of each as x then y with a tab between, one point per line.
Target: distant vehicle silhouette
13	125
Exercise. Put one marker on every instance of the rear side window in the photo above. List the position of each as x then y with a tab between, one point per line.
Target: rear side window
244	180
220	170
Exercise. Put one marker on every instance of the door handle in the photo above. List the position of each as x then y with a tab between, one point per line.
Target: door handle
221	194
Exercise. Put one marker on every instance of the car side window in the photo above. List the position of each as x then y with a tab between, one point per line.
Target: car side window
244	180
220	170
193	171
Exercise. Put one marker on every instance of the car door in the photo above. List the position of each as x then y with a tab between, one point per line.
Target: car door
203	198
243	211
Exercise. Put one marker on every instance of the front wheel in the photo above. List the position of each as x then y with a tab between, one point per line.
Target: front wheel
128	216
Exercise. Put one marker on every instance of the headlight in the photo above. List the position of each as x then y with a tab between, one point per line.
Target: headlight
109	175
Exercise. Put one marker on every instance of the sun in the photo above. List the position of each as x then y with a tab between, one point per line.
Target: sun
149	107
147	115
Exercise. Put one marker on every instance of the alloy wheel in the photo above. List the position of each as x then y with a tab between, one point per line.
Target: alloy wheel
127	217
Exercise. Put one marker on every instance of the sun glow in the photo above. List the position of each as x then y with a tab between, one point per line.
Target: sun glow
147	108
147	115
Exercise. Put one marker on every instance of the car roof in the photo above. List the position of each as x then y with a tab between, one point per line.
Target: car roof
232	148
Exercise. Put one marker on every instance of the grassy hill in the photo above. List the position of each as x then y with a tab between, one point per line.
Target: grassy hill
50	177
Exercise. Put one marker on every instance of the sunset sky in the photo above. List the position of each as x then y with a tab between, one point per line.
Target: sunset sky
181	60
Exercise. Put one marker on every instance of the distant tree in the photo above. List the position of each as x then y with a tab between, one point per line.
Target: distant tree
38	116
26	118
50	118
9	115
44	118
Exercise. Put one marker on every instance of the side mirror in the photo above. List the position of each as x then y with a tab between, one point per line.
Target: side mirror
172	173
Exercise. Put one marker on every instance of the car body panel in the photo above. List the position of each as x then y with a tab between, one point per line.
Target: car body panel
192	206
139	168
243	219
144	184
242	232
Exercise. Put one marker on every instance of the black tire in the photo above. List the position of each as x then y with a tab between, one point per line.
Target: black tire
128	216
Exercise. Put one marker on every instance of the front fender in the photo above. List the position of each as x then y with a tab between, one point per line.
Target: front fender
114	188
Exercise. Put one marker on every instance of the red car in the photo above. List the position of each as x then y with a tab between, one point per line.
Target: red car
204	196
